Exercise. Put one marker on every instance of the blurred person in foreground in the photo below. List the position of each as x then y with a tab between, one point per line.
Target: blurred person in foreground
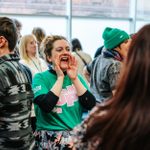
15	93
120	123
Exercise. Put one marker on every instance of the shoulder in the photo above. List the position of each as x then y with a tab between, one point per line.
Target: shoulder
90	66
40	74
24	62
43	63
108	62
42	60
84	54
38	79
29	74
115	66
81	78
93	62
98	51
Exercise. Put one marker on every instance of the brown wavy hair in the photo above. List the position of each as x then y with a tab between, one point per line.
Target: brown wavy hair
47	45
126	125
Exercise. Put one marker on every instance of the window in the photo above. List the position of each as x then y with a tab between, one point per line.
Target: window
86	8
143	9
45	7
101	8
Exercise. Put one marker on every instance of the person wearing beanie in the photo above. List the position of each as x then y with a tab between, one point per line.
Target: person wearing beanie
104	70
113	37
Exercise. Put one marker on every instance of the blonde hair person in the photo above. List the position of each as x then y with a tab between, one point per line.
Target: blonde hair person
28	50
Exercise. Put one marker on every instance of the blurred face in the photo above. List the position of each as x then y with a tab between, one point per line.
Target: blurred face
123	48
61	53
31	47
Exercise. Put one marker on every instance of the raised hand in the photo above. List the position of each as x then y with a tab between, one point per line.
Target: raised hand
73	68
57	68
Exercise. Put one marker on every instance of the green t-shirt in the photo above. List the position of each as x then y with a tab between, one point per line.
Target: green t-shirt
67	113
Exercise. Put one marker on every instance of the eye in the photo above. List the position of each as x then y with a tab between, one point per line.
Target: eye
68	49
32	42
58	49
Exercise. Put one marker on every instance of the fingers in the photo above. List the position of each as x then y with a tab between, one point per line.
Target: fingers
56	60
72	61
56	63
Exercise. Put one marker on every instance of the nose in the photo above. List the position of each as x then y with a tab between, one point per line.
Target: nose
129	41
65	51
35	44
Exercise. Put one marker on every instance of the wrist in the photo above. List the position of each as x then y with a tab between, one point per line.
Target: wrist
74	79
60	78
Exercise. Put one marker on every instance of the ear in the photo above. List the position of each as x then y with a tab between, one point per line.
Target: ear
118	49
49	58
2	41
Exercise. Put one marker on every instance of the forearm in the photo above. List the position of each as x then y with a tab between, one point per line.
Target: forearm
46	101
86	74
79	86
56	89
87	100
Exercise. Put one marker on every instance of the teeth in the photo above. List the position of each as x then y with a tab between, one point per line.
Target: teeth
64	58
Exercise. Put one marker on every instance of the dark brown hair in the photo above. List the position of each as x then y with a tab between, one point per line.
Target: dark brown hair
8	30
76	45
39	33
126	125
18	23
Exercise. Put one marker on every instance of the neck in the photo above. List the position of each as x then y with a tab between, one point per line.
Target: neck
122	52
5	52
32	55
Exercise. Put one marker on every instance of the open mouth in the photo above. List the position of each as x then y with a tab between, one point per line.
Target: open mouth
64	58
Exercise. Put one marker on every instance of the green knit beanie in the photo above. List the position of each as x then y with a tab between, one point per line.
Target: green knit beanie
114	37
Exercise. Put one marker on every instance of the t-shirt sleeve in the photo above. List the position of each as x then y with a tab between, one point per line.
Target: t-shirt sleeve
39	86
83	81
